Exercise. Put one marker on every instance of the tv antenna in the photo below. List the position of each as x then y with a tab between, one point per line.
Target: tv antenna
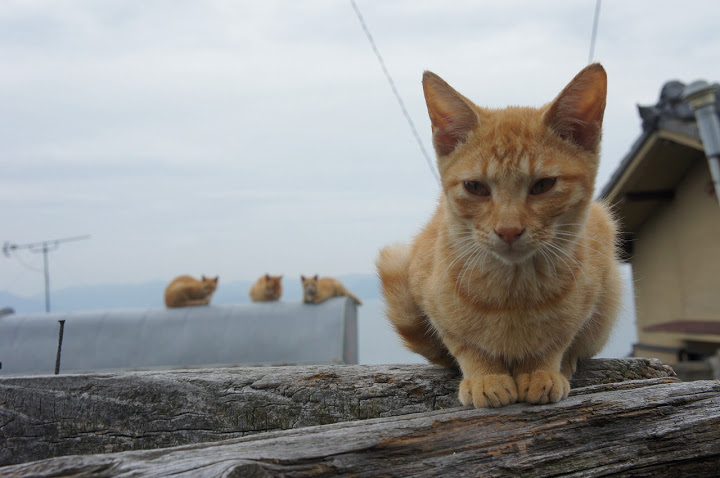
44	247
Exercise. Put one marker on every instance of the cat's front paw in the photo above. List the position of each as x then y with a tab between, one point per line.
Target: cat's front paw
488	391
542	386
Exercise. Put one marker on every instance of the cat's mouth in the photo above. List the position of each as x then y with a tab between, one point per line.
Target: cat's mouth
513	254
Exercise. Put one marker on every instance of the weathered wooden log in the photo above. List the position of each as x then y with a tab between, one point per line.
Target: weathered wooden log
50	416
657	427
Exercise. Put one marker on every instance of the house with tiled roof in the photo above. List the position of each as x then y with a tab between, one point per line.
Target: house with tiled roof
664	196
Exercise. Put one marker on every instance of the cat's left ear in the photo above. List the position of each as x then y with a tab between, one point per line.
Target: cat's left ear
576	114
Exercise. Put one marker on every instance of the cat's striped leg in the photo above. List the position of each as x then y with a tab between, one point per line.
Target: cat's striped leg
403	312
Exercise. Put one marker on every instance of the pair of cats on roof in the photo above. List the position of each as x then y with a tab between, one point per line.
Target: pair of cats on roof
515	277
186	290
315	289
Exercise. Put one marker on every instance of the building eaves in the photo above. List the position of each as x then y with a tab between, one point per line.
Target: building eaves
672	115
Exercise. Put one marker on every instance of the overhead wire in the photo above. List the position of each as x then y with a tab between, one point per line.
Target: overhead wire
394	90
594	31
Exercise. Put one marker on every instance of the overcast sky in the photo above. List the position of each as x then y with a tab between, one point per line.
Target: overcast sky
236	138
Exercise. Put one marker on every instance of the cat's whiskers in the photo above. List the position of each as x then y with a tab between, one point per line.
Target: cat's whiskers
463	244
576	242
578	234
557	256
467	264
559	252
468	248
470	265
465	248
548	260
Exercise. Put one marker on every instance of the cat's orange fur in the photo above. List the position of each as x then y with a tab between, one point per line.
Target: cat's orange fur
515	277
319	289
267	289
186	290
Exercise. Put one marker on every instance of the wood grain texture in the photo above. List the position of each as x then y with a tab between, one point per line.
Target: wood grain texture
656	427
50	416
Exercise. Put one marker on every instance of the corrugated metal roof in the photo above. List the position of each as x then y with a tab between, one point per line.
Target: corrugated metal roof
257	333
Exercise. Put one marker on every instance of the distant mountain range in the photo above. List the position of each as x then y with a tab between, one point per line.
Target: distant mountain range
150	294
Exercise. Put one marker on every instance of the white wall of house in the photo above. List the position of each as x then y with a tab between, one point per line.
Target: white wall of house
676	259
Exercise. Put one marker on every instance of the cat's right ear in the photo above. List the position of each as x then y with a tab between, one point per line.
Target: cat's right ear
451	114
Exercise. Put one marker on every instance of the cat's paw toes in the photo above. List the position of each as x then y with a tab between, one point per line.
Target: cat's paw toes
488	391
542	386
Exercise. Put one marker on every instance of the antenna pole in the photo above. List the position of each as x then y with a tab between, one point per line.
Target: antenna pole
44	247
47	278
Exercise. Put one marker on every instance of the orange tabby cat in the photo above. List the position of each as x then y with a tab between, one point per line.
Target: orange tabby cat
319	289
267	289
515	277
186	290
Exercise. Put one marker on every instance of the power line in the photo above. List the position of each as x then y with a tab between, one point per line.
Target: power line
44	247
594	31
394	90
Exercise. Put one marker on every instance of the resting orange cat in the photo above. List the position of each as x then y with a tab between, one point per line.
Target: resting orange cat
515	277
267	289
319	289
186	290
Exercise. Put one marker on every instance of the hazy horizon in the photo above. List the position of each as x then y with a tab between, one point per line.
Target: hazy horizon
378	342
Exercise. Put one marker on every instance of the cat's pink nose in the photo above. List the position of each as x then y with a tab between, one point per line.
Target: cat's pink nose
509	234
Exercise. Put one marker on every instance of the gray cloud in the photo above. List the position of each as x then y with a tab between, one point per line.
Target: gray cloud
236	138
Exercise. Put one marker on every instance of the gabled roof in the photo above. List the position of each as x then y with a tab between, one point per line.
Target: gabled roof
667	148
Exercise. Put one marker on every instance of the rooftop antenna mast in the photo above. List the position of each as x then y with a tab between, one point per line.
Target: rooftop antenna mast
44	247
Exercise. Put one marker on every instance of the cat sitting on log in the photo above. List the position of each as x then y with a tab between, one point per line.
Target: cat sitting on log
515	276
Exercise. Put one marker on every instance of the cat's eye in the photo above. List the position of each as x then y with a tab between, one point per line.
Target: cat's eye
476	188
542	186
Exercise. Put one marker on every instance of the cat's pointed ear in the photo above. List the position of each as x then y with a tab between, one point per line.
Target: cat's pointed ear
576	114
302	278
202	278
451	114
316	277
267	276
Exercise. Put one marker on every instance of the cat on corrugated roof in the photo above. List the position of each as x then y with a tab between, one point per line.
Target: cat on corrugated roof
319	289
515	277
186	290
267	289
